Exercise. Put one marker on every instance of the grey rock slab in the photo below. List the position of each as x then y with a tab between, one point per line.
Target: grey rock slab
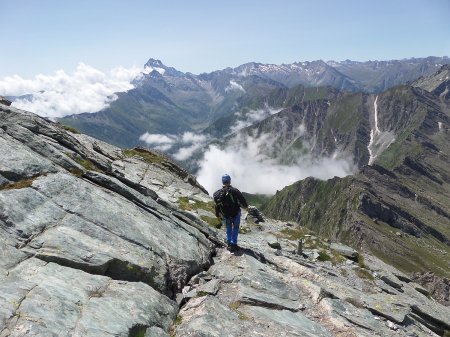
272	241
46	299
206	316
17	161
358	316
225	274
382	268
41	146
392	307
392	281
202	212
210	287
119	215
168	185
74	222
287	323
428	310
103	149
27	212
10	256
312	254
433	313
78	244
265	298
386	287
257	284
344	250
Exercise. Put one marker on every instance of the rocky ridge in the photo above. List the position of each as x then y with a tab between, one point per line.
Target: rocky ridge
85	236
99	241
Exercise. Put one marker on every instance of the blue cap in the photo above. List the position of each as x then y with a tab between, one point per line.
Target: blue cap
226	179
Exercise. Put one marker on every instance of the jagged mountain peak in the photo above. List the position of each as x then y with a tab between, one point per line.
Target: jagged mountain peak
162	68
154	63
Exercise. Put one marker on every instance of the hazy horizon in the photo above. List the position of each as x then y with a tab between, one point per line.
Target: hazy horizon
47	36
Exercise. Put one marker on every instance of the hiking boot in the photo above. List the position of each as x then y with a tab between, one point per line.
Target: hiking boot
233	247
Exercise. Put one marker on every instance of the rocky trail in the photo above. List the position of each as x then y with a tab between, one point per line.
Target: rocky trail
268	289
99	241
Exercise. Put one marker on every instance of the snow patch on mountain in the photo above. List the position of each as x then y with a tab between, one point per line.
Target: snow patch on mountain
379	141
234	86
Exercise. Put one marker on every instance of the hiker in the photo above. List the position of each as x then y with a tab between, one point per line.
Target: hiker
229	201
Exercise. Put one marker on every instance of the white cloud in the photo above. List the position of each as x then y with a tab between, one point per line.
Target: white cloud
85	90
186	152
189	143
157	138
159	141
190	137
252	117
254	172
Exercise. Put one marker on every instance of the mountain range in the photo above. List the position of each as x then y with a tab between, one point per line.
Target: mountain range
168	101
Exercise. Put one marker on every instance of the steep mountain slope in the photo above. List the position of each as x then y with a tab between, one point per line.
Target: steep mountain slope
99	241
400	210
323	122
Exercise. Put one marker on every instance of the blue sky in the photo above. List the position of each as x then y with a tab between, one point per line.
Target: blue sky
200	36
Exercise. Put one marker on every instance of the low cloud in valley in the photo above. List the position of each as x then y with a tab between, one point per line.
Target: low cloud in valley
187	143
252	171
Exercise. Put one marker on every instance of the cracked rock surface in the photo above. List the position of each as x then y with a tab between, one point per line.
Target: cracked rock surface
94	242
85	248
266	291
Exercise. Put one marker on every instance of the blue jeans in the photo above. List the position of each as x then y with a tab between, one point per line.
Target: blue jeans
233	228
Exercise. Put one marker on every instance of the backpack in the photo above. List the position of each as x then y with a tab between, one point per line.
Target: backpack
227	202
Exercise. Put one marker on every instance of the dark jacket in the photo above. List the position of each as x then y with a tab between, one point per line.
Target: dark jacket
229	201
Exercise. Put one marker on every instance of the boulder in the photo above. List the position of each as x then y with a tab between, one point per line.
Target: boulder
344	250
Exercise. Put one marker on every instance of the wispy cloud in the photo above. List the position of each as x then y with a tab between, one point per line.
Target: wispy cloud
252	117
255	172
84	90
187	143
159	141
